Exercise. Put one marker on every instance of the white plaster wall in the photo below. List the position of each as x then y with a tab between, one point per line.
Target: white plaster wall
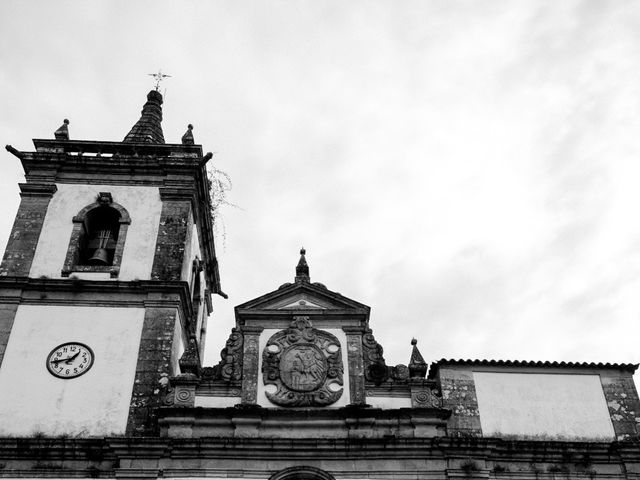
191	251
216	402
389	402
96	403
345	399
144	207
545	406
177	348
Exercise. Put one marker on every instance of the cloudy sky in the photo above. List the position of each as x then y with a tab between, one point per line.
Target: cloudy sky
469	169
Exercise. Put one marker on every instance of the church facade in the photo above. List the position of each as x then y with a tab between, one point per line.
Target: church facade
105	292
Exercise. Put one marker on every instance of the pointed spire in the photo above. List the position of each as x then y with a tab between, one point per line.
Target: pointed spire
148	128
63	132
187	138
417	365
302	270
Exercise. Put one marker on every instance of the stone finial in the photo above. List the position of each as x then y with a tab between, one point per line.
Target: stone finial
187	138
417	365
62	133
148	128
190	360
302	269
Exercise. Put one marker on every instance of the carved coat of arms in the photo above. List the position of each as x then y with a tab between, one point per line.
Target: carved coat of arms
304	364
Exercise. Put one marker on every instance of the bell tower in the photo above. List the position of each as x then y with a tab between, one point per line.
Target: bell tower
106	280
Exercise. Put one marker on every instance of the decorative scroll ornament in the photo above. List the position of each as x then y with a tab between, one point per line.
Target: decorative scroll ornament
304	365
375	368
230	366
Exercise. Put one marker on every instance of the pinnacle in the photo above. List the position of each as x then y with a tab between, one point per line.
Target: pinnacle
148	128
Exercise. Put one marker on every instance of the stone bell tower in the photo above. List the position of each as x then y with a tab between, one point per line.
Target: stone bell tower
106	280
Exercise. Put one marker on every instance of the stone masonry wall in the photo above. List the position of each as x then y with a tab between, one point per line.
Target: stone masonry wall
172	235
26	229
7	315
152	371
623	403
459	395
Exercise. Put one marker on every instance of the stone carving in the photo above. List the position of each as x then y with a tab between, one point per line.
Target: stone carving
230	366
375	368
190	360
400	373
305	366
250	373
104	198
425	399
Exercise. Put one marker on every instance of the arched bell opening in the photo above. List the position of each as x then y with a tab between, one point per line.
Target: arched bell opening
97	239
100	238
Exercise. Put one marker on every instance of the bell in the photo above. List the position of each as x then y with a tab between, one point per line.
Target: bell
100	257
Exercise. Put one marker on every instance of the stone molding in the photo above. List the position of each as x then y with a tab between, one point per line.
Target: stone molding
37	189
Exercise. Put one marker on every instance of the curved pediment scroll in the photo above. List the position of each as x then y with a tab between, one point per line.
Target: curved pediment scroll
304	365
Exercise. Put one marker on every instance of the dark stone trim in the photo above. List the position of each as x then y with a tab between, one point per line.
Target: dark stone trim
177	194
623	405
459	394
27	228
250	358
7	316
152	371
102	147
173	232
374	459
37	189
356	365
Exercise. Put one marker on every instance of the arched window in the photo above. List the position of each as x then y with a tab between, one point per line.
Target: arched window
301	473
97	238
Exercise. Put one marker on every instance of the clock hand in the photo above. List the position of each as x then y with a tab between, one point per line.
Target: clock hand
68	360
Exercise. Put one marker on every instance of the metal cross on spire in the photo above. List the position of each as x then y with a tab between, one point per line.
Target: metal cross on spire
159	77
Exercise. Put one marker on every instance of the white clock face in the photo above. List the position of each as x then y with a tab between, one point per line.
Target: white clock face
69	360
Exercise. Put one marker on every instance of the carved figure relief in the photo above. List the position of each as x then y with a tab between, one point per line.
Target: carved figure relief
305	366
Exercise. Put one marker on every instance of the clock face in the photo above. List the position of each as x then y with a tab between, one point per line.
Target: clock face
69	360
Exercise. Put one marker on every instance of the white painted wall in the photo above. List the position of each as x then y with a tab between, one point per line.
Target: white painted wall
542	406
177	348
345	399
389	402
96	403
191	251
216	402
144	207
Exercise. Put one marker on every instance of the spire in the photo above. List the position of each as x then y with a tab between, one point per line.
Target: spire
417	365
148	128
302	270
63	132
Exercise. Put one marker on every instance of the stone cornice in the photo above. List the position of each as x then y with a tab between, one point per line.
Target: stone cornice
37	189
122	148
105	293
144	457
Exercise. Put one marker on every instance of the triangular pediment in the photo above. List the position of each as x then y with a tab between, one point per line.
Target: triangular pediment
302	296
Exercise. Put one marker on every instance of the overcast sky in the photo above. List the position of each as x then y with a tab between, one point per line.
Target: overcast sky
469	169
